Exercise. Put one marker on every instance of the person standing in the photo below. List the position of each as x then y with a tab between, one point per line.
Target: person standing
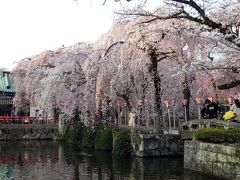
236	108
213	110
204	111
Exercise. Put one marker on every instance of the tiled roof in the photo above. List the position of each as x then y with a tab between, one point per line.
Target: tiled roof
6	82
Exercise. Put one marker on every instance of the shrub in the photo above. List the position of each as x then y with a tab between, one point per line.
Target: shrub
88	137
122	142
103	139
72	133
217	135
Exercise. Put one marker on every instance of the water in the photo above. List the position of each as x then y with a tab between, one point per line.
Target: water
47	160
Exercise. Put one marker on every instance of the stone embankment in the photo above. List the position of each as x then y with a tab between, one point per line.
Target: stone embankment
222	160
29	132
151	145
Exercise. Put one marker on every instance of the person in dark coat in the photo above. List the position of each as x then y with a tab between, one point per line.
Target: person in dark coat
212	110
204	111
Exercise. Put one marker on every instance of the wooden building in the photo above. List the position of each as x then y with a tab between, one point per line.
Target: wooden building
7	92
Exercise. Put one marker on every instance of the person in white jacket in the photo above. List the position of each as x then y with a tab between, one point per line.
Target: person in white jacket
236	108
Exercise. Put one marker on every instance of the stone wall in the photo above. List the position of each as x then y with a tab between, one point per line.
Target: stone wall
28	132
147	145
214	159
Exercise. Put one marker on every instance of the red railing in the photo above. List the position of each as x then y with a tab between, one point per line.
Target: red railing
25	120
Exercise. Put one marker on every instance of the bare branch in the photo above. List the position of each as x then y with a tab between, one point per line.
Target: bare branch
229	85
104	2
182	14
165	55
119	42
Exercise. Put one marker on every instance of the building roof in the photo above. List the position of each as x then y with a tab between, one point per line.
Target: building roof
6	82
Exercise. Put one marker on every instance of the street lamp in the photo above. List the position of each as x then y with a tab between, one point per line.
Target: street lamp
167	104
172	102
230	100
140	102
184	103
198	101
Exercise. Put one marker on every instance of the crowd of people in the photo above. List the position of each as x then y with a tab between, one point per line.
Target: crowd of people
211	110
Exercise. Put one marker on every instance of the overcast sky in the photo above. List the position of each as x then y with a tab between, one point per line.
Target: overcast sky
29	27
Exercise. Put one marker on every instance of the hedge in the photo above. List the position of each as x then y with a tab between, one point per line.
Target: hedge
122	142
73	133
103	139
217	135
88	137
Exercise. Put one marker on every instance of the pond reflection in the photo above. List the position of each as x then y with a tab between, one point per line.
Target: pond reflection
47	160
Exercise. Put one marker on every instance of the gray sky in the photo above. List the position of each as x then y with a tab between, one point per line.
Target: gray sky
29	27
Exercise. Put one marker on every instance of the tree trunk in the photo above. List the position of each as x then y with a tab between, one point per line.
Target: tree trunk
131	112
186	95
157	87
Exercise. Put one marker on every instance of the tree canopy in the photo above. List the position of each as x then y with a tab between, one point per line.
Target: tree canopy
183	49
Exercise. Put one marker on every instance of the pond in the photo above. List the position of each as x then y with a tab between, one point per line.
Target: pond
47	160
